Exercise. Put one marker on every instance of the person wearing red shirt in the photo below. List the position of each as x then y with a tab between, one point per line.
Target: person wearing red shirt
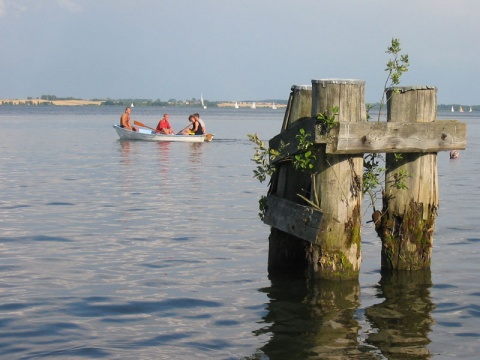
164	126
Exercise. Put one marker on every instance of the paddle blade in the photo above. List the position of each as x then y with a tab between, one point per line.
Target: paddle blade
142	125
209	137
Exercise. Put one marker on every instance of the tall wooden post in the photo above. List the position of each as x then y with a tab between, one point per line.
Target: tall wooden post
336	253
299	105
286	252
408	215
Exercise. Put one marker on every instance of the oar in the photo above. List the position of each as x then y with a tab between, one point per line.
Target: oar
181	131
143	125
208	137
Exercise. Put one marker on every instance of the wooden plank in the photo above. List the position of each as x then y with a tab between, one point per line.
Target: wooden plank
388	137
292	218
377	137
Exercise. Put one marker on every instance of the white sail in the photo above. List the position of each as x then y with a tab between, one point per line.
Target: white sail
253	105
201	100
274	107
453	110
470	109
236	105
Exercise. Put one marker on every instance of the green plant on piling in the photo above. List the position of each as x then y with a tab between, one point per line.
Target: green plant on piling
396	66
262	207
328	120
262	157
399	179
305	159
372	175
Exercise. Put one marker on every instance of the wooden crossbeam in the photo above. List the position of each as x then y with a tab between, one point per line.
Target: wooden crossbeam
389	137
378	137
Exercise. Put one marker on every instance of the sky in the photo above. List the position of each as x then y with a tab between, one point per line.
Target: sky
233	50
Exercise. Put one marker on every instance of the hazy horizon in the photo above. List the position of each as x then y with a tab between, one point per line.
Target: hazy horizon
232	50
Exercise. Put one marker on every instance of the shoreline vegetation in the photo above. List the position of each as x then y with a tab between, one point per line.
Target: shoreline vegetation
279	104
53	101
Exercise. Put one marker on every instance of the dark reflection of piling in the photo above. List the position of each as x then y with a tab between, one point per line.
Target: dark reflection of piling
403	320
312	319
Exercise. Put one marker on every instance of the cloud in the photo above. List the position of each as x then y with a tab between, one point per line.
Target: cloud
17	7
70	5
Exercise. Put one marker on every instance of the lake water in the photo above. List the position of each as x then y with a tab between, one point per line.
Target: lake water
134	250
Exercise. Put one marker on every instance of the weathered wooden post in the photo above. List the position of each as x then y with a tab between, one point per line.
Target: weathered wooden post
332	234
299	105
336	253
408	214
286	252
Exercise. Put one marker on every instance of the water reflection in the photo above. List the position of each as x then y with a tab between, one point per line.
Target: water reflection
125	152
196	152
163	148
195	177
403	321
312	319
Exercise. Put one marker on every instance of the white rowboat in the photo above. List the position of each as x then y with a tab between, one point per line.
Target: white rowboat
149	135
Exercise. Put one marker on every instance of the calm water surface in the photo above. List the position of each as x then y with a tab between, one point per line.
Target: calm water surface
132	250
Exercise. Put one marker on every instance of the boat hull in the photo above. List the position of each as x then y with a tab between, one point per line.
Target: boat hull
147	135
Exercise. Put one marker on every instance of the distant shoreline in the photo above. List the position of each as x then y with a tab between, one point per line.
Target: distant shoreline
245	104
79	102
220	104
49	102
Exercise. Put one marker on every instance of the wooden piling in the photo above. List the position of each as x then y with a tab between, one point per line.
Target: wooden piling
338	183
299	105
286	251
315	215
410	201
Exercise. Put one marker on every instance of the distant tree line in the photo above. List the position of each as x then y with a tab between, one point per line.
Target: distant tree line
53	98
144	102
193	102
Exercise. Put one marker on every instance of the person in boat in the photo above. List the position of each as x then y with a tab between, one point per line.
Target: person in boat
201	125
191	130
198	126
125	120
164	126
454	154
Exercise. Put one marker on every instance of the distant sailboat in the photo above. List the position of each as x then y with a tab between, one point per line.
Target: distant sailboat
131	105
453	110
461	109
253	105
274	107
470	109
236	105
201	100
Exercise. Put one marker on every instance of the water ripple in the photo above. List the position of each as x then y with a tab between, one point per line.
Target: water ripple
87	309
